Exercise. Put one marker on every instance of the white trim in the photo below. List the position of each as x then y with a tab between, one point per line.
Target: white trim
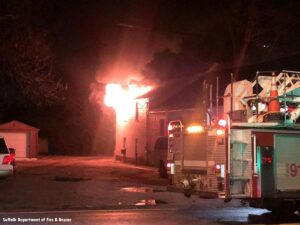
256	124
254	155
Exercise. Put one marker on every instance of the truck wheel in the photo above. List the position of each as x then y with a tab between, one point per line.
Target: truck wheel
187	192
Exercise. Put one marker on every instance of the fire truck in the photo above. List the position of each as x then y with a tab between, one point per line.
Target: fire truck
196	158
253	153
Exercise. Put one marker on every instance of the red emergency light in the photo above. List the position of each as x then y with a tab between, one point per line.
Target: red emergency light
217	169
267	160
169	166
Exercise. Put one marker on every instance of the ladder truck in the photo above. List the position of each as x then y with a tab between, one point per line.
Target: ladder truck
252	152
196	152
262	135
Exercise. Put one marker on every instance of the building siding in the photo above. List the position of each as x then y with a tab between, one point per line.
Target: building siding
134	131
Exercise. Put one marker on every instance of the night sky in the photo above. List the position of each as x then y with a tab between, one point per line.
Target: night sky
168	39
55	53
161	39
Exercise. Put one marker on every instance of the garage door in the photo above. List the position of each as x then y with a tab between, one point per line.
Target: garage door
17	141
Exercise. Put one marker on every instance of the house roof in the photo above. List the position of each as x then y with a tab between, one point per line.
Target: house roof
183	93
17	125
186	92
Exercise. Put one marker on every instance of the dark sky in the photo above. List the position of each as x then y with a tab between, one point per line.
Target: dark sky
112	39
115	40
119	40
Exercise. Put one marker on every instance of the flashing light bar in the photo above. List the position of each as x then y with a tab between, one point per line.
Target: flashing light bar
195	129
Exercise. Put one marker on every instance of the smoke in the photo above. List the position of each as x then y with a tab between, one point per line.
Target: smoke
135	50
122	63
131	44
124	51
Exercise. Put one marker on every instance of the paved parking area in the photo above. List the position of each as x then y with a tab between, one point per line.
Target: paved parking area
63	183
56	182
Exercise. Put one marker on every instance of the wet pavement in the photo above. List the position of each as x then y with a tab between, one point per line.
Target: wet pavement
166	216
80	184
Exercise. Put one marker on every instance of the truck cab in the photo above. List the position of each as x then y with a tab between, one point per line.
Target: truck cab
196	158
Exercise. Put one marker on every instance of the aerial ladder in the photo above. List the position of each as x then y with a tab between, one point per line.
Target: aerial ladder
254	98
263	138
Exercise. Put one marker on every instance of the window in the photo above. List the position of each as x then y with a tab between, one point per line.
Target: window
3	148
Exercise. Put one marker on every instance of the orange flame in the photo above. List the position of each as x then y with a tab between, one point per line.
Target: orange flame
123	99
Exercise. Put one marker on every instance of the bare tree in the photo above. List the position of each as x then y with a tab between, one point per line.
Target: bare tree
27	59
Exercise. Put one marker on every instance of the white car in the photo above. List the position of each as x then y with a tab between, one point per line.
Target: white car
6	160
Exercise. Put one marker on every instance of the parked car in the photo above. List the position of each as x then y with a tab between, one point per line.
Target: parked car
7	160
160	155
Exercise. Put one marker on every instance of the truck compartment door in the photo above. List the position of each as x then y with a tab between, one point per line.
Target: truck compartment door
240	169
265	163
287	153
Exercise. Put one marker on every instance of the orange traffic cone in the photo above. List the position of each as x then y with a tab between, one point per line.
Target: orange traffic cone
274	105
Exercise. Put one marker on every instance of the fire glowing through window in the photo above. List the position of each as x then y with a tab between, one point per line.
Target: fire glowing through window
122	99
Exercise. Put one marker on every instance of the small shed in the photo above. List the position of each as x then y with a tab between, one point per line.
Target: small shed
22	137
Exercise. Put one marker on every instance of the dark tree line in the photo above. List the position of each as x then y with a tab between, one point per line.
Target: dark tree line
50	52
230	34
27	60
36	85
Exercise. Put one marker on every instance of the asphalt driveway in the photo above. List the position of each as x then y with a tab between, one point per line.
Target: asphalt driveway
61	182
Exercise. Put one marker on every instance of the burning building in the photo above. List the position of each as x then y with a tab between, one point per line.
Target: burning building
143	114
